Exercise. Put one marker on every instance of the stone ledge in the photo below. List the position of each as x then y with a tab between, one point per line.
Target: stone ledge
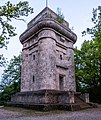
48	23
43	97
45	91
45	107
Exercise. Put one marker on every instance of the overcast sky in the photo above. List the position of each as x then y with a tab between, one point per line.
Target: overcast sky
77	12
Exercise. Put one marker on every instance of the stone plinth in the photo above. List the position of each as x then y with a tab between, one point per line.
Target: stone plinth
44	97
45	100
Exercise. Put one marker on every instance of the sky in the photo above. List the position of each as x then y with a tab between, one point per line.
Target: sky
77	12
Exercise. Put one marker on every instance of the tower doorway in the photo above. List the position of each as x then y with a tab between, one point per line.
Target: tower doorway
61	82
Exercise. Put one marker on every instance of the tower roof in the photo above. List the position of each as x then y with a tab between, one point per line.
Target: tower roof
48	19
46	13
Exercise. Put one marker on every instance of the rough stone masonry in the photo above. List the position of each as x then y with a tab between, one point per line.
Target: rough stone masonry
48	54
47	73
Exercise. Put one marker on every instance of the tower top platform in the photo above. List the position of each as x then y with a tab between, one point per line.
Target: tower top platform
47	19
44	14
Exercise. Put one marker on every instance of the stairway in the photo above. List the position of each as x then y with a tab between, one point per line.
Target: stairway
79	101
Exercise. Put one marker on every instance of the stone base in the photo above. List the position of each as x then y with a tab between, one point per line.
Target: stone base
46	107
44	97
49	100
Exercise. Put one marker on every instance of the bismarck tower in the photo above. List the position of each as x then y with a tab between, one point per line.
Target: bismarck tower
48	54
47	74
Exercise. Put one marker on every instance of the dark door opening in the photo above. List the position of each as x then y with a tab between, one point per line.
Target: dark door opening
61	82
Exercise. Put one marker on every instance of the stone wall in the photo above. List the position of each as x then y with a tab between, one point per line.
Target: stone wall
48	54
44	97
42	62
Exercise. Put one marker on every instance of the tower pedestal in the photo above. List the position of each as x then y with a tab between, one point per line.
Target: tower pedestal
45	100
50	100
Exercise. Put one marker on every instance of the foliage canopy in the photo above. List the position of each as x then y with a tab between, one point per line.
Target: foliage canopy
9	12
88	60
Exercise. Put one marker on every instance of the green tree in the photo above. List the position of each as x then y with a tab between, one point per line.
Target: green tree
88	60
10	82
8	13
95	33
87	67
78	71
2	60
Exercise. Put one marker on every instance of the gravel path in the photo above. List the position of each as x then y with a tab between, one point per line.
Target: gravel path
89	114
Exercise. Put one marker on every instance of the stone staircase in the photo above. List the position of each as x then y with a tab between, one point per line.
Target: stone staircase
81	102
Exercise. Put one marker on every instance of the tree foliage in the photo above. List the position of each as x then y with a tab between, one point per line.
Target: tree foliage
88	60
10	82
60	17
8	13
2	60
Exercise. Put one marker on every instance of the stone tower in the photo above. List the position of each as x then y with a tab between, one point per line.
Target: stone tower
47	74
48	54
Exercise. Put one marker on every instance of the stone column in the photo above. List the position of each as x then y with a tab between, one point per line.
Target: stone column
25	76
47	60
71	84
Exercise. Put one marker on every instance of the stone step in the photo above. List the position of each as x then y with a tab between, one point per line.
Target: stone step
80	102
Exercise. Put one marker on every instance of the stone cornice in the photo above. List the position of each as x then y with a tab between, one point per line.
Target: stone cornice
48	23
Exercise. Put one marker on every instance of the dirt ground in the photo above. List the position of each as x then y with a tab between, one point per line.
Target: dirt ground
24	114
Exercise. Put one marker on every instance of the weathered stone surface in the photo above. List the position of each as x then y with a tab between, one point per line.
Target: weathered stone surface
46	13
47	74
44	97
48	55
